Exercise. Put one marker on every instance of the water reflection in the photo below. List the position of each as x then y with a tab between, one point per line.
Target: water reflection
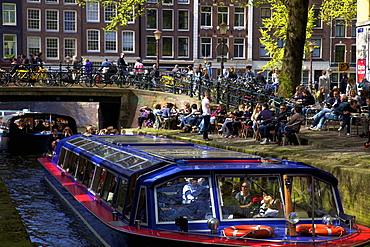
48	220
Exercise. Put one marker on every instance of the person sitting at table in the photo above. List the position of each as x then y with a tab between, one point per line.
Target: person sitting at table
265	117
145	112
352	107
326	113
190	120
254	118
275	123
167	114
233	127
293	125
354	95
320	95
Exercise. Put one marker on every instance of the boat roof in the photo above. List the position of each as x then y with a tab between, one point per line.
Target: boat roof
180	157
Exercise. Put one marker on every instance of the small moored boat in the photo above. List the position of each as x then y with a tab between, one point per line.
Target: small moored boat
29	132
151	191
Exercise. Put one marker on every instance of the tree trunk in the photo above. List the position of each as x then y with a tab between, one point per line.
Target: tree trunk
294	46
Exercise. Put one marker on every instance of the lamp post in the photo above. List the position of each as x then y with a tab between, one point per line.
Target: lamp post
157	36
223	50
311	47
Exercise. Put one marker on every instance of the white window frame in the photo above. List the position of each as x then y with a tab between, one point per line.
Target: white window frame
91	8
242	47
167	4
73	49
38	20
172	46
33	1
69	1
13	42
208	44
147	46
156	20
172	20
110	12
178	45
183	10
54	20
108	35
74	21
53	48
9	14
344	26
318	47
51	1
207	25
132	41
38	46
224	15
97	40
319	20
183	1
241	18
344	52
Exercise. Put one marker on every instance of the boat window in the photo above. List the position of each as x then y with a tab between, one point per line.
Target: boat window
117	156
62	156
323	198
122	191
185	196
81	171
109	188
141	212
98	179
250	197
71	163
90	169
76	141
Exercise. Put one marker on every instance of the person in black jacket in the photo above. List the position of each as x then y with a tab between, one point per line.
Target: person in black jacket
273	125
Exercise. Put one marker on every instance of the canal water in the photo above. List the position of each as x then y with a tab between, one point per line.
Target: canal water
48	221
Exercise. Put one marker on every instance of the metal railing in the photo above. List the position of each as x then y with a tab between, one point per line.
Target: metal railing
229	92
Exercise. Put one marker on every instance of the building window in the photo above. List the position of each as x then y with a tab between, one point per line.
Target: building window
70	46
206	16
238	48
205	47
70	21
52	20
353	54
222	15
110	41
150	47
33	1
152	1
33	45
239	17
93	40
265	14
183	1
110	12
183	47
167	16
33	19
9	14
167	46
339	53
263	51
51	1
92	12
70	1
340	28
151	19
168	2
353	28
10	44
183	20
318	21
52	48
317	51
128	41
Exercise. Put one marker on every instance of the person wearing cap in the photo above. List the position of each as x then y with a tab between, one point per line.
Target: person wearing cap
191	191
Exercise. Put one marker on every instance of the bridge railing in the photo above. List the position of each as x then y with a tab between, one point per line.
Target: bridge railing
229	92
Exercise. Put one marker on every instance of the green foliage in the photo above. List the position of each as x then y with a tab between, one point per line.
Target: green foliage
9	56
332	9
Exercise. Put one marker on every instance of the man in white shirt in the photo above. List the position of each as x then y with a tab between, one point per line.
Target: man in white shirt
206	109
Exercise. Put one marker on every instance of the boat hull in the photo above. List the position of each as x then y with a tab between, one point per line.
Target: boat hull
121	234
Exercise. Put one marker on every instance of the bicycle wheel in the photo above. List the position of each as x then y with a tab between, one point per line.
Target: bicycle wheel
47	79
64	79
88	81
20	81
99	81
4	79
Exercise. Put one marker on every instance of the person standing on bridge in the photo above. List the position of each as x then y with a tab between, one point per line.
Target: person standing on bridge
122	64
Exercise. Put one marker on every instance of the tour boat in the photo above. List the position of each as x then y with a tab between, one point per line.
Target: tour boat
29	132
133	190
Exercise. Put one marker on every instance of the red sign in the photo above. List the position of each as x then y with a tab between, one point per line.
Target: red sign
361	69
